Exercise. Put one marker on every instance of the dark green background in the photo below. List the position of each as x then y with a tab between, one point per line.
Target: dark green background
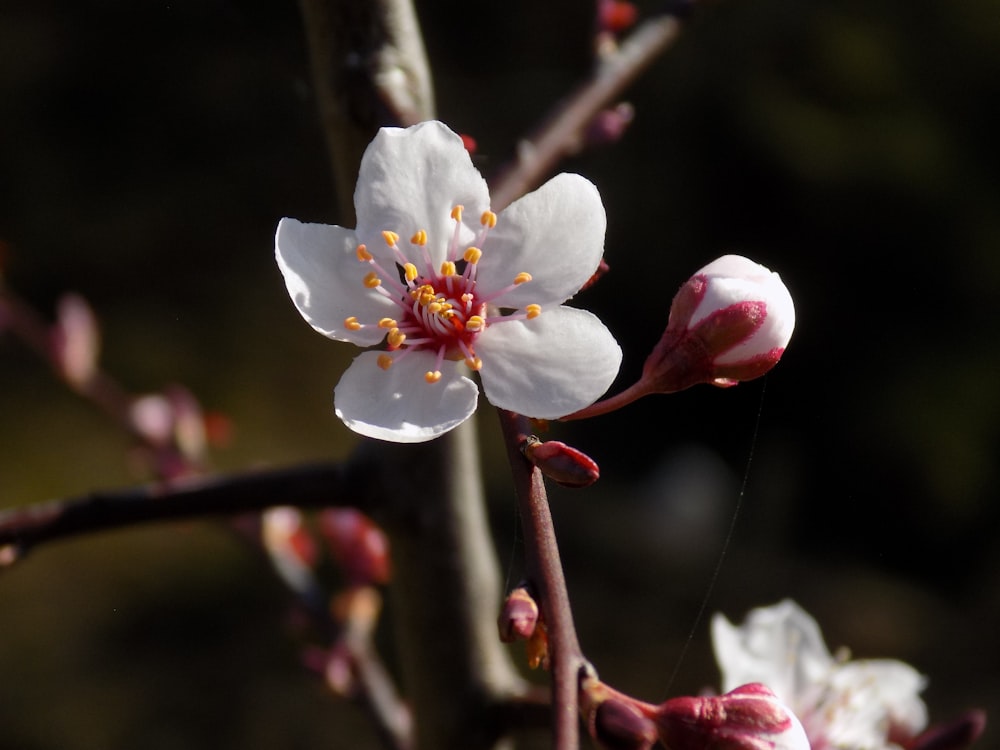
147	151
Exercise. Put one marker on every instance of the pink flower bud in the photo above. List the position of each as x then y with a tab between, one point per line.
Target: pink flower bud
748	718
518	616
729	322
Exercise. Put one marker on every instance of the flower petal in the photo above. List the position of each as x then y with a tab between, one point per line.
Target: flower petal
733	279
411	179
781	646
397	404
555	233
324	280
549	366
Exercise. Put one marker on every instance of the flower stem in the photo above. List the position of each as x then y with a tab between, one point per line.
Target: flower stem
632	393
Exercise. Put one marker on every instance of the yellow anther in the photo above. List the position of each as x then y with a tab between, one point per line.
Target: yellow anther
474	323
456	213
384	361
473	254
363	254
434	307
395	338
467	297
420	238
522	278
432	377
372	280
387	323
488	219
352	324
474	363
533	311
410	272
391	238
426	296
448	268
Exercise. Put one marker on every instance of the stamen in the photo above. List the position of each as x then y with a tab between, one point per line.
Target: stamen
474	323
432	377
352	324
522	278
372	280
391	238
472	255
410	272
384	361
386	323
488	219
456	212
448	268
533	311
420	238
363	254
474	363
395	338
435	307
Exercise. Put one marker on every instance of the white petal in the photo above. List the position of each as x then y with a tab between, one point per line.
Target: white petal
398	404
555	233
780	646
324	280
733	279
550	366
886	686
411	179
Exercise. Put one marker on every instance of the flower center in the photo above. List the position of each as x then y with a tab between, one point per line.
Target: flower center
439	309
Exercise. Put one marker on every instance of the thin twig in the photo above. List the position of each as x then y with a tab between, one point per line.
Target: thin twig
545	574
318	485
563	133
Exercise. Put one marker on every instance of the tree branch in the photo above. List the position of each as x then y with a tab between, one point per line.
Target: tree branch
563	132
306	486
545	575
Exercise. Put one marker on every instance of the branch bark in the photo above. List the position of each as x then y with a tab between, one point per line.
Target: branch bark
545	575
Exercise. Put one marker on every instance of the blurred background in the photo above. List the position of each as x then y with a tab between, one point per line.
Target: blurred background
147	151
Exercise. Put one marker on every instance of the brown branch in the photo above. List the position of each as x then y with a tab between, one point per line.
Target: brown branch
305	486
563	133
545	575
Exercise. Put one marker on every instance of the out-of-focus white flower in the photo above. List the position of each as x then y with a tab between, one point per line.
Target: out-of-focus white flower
844	705
469	290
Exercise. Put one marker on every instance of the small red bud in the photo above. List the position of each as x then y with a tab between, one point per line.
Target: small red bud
518	617
608	126
956	734
357	544
615	15
602	268
615	725
469	142
562	464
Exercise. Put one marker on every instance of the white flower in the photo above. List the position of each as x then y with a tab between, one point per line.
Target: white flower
843	705
469	290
